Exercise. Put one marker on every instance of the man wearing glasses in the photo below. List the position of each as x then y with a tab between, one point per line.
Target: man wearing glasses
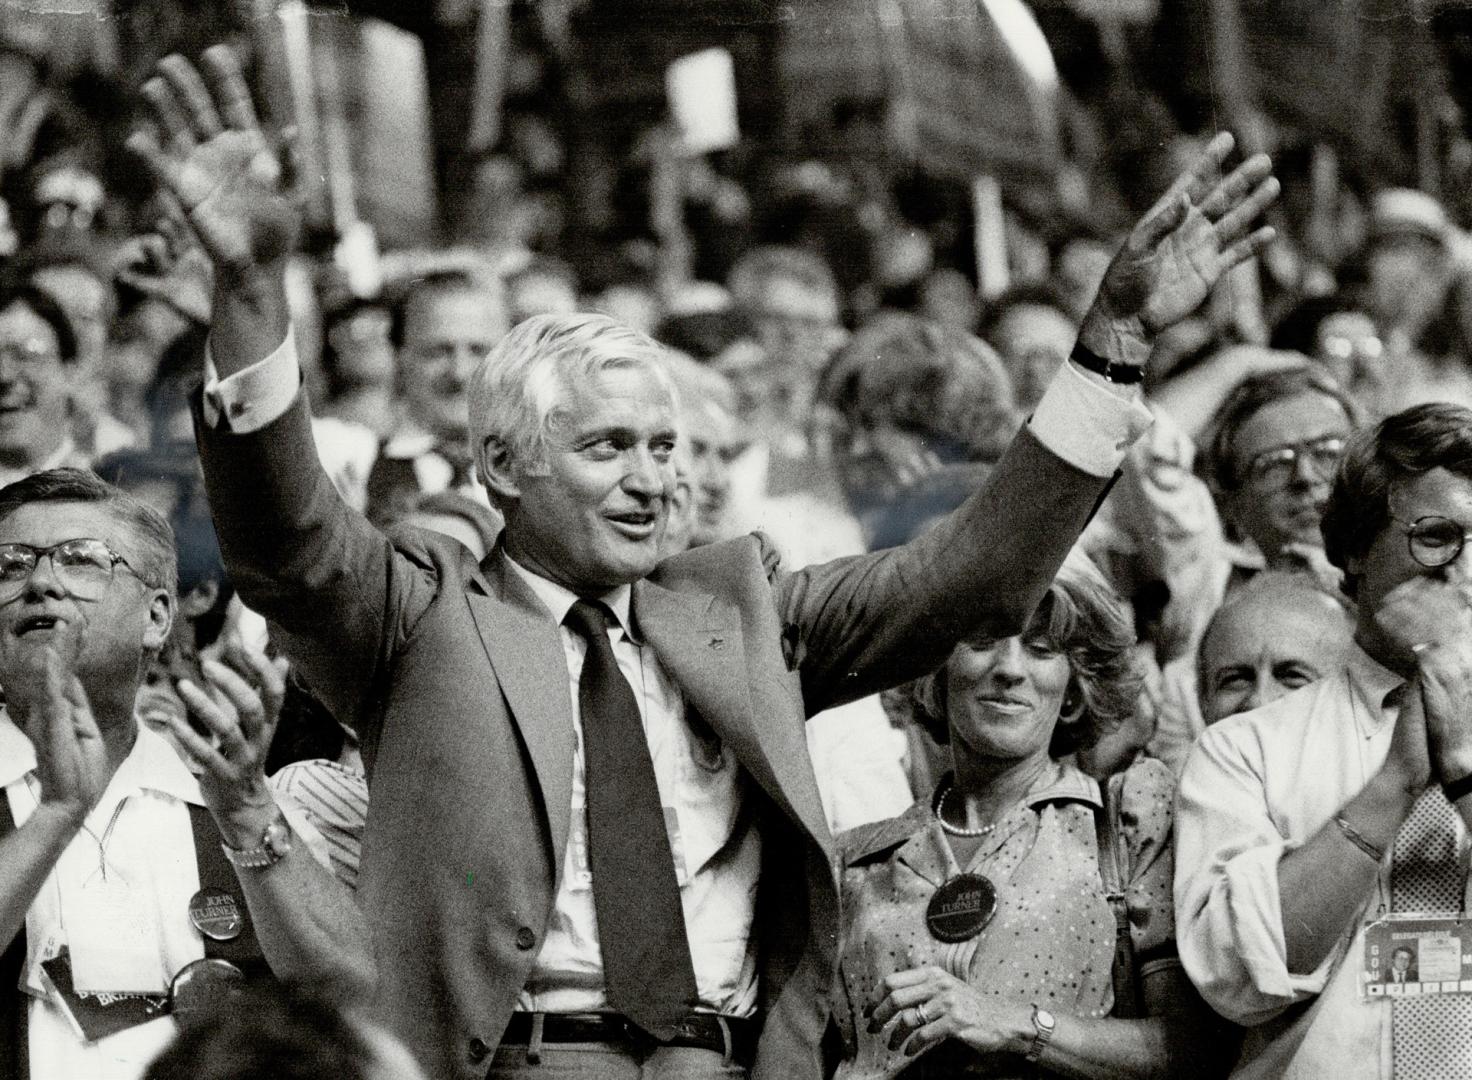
1273	449
132	890
1340	803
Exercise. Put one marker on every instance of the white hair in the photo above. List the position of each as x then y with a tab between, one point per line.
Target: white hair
517	390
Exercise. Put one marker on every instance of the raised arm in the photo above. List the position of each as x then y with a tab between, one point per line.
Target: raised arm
872	622
308	924
295	551
209	153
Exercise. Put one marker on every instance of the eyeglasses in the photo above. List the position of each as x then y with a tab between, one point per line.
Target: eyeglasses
1277	467
84	566
1434	541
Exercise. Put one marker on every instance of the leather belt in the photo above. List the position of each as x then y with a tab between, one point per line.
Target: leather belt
703	1031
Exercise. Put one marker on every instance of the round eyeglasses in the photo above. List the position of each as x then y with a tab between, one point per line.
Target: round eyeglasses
1278	466
84	566
1432	540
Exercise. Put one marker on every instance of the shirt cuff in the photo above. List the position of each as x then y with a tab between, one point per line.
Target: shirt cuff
253	397
1086	425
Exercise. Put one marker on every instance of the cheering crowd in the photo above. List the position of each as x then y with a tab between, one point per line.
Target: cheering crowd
775	678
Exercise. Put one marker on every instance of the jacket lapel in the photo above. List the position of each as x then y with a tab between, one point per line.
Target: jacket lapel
700	644
524	646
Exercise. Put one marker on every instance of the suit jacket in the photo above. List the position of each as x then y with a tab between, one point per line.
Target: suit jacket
454	675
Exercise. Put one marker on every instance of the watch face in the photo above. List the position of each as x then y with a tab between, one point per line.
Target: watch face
278	837
1045	1020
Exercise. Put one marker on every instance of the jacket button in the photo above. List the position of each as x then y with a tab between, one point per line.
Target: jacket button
525	939
478	1051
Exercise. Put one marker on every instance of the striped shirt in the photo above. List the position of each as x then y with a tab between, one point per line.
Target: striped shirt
335	798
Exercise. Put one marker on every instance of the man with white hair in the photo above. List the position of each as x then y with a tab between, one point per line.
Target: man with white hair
596	843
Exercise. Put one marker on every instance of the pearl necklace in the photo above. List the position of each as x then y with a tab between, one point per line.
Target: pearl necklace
957	830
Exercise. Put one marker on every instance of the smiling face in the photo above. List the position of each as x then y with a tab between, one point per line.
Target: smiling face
447	333
35	388
593	518
106	638
1267	645
1284	506
1004	698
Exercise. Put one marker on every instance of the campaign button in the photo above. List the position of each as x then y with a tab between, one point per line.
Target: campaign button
216	914
204	987
961	908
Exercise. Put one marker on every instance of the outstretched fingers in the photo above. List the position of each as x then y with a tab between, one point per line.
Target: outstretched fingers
191	95
172	119
1244	180
1236	222
226	729
1247	247
222	69
1206	171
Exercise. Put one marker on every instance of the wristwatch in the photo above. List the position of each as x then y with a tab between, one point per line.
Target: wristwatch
1043	1022
275	843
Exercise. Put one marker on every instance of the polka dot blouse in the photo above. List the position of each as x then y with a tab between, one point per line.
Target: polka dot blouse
1051	941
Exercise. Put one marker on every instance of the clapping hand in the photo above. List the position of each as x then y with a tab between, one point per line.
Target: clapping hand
240	717
1429	619
210	155
1175	255
71	757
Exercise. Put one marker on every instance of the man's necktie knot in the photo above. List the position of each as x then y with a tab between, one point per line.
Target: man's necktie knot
589	619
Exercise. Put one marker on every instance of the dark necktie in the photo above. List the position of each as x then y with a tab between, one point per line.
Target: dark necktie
641	927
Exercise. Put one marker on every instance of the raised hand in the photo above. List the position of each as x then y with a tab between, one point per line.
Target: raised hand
210	155
241	720
71	757
1200	229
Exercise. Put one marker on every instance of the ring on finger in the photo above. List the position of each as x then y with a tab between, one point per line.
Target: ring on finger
922	1014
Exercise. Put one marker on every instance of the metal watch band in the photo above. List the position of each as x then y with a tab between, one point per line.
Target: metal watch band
266	853
1043	1025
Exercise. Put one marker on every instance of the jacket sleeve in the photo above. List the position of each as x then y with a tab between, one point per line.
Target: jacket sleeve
342	594
859	625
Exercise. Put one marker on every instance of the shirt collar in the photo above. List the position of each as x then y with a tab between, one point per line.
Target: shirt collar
558	599
1374	682
1067	784
151	765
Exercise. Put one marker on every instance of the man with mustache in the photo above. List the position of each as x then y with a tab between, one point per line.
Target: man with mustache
596	842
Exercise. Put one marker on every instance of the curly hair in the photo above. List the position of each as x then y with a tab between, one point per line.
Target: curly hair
1086	621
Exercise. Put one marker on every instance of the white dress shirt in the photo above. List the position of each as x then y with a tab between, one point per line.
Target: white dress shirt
1256	786
703	792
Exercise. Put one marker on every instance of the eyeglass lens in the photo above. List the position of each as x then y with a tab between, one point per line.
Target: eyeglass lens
1435	541
84	567
1279	465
